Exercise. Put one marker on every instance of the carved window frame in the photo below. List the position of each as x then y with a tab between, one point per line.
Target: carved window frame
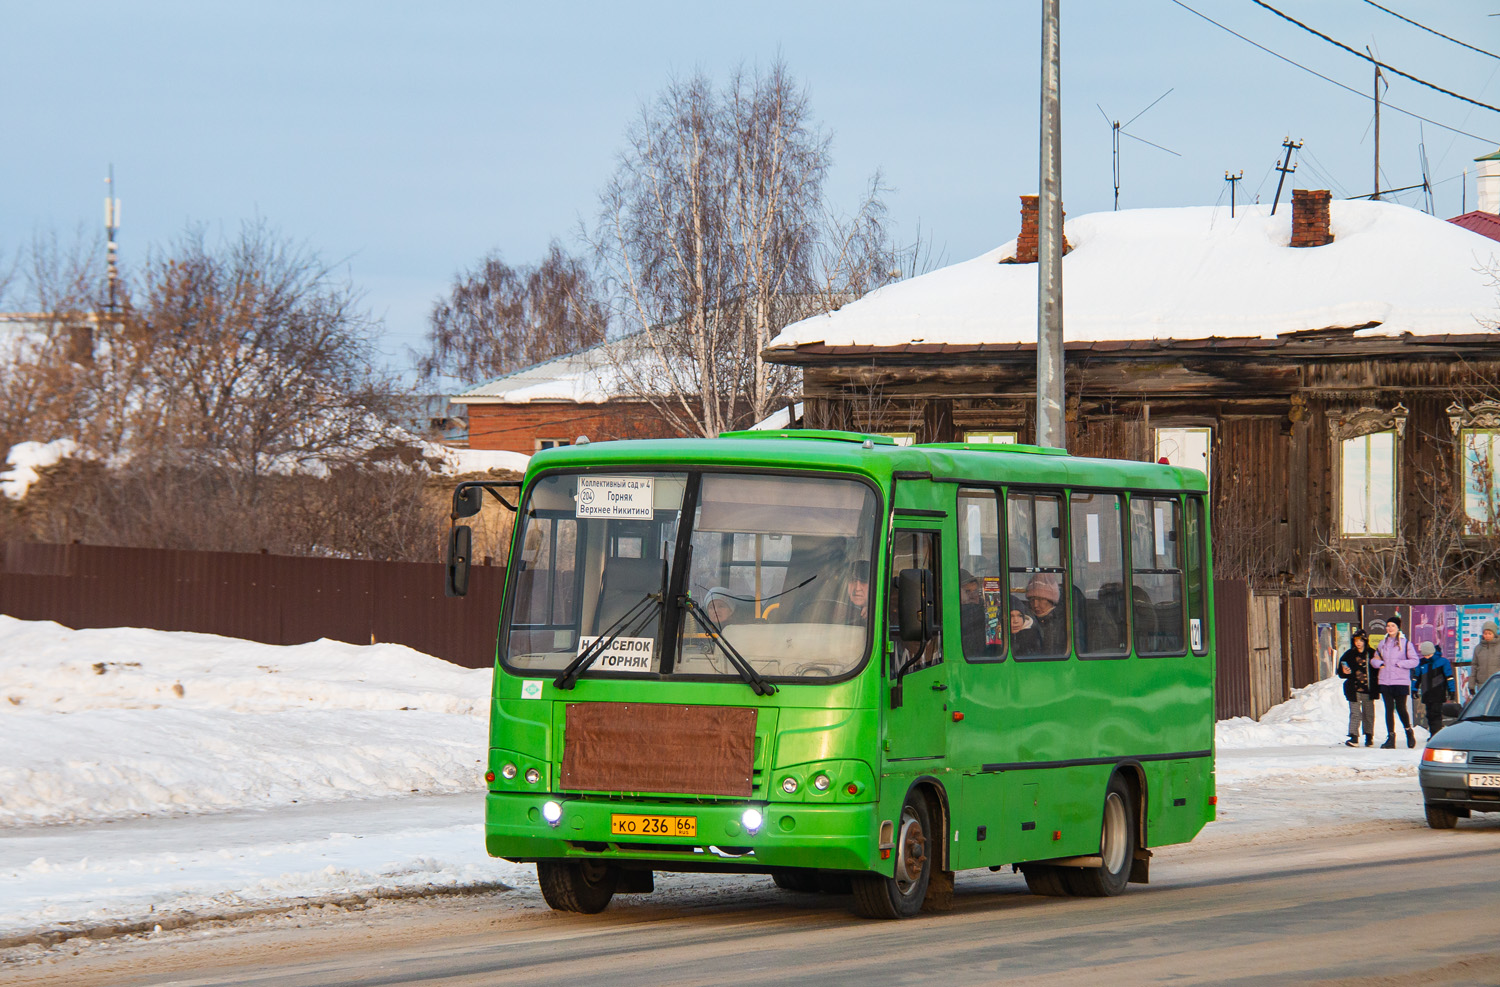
1482	418
1365	421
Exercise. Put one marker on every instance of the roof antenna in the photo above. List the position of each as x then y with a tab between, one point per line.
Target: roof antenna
111	229
1426	181
1117	129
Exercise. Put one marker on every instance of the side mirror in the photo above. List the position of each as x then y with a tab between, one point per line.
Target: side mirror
1452	711
467	500
460	548
916	606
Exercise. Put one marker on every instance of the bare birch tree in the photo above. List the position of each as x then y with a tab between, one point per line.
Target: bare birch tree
497	318
714	234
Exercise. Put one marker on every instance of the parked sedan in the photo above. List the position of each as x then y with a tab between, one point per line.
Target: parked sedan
1460	769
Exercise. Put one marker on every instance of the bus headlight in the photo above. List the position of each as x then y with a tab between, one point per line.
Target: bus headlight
789	785
508	772
752	819
533	776
552	812
821	783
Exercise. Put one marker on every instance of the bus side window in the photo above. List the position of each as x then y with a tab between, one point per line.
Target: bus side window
914	550
1197	578
1099	628
1157	579
1038	605
982	607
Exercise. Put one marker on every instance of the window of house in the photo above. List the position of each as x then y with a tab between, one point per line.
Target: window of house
992	437
982	609
1368	491
902	438
1098	597
1186	447
1157	583
1481	498
552	443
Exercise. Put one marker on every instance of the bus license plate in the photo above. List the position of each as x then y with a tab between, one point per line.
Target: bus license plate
1484	781
621	824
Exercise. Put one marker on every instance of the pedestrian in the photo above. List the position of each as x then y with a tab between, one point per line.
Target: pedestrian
1486	655
1395	657
1433	680
1359	689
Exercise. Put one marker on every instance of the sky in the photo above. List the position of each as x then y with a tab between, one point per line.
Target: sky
407	141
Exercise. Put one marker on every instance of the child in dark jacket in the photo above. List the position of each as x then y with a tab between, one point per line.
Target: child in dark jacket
1432	679
1359	690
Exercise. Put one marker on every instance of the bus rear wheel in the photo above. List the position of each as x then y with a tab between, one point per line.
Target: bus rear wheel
900	896
1117	845
577	885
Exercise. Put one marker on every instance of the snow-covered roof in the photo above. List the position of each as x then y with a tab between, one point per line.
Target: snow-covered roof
589	376
1194	273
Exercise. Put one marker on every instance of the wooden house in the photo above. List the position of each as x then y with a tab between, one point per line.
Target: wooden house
1333	368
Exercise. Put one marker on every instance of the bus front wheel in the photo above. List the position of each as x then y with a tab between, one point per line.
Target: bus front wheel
577	885
900	896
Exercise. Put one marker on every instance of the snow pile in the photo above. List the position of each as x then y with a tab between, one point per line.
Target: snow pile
1194	273
26	458
457	462
107	724
1317	714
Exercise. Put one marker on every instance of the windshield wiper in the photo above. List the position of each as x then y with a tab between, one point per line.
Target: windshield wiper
646	608
716	634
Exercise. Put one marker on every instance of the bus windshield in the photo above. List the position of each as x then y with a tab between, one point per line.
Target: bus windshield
777	569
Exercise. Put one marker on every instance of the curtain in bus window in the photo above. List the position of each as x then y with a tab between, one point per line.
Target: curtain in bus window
1197	574
1157	583
1098	575
981	593
1038	606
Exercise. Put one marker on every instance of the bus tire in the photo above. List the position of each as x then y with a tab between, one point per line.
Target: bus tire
577	885
901	896
1117	845
1046	880
796	880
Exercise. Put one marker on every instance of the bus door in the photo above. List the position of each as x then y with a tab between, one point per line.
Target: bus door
918	728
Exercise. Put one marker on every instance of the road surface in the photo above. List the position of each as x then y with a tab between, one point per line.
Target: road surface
1387	902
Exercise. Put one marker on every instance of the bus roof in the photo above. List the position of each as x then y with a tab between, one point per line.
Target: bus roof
875	456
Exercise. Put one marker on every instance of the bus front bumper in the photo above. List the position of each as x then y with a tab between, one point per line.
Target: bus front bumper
830	837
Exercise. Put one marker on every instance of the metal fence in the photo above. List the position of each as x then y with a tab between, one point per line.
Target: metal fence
274	599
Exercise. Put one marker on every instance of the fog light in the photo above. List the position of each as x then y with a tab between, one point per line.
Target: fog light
752	820
789	785
821	783
552	812
533	776
508	772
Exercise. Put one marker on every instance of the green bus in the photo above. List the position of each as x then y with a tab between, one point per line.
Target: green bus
855	666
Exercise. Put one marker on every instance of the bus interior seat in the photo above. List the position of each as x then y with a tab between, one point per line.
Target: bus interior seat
625	582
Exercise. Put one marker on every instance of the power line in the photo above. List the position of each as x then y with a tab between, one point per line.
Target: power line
1371	58
1430	30
1320	75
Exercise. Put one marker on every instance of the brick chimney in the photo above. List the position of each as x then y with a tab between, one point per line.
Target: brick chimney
1310	218
1026	243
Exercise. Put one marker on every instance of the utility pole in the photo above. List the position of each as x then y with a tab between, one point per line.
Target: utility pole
1286	168
1233	180
111	230
1051	428
1378	80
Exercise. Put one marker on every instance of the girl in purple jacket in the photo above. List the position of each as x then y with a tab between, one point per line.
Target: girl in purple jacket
1395	657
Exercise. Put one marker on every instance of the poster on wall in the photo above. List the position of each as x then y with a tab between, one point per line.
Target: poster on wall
1431	623
1373	617
1471	620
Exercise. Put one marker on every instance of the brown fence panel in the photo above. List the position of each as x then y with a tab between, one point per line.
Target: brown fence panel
1232	639
1304	642
268	598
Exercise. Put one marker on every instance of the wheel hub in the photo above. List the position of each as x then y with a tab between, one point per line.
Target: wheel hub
911	853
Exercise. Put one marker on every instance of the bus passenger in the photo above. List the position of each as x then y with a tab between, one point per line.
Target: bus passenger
1043	631
971	617
857	595
720	606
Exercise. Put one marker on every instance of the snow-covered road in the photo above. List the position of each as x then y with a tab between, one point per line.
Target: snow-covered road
277	777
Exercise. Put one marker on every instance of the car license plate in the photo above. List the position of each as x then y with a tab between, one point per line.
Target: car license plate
621	824
1484	781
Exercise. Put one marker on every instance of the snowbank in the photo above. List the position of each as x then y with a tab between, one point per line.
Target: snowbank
1316	715
108	724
